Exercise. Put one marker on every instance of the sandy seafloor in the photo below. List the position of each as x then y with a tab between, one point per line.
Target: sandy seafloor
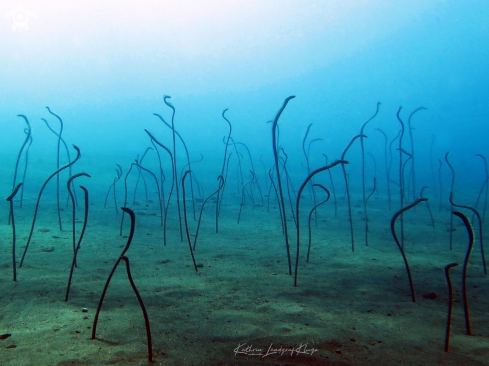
348	309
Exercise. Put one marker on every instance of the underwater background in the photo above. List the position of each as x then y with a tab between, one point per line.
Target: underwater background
411	76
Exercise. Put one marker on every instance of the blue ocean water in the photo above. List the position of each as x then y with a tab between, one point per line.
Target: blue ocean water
105	67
